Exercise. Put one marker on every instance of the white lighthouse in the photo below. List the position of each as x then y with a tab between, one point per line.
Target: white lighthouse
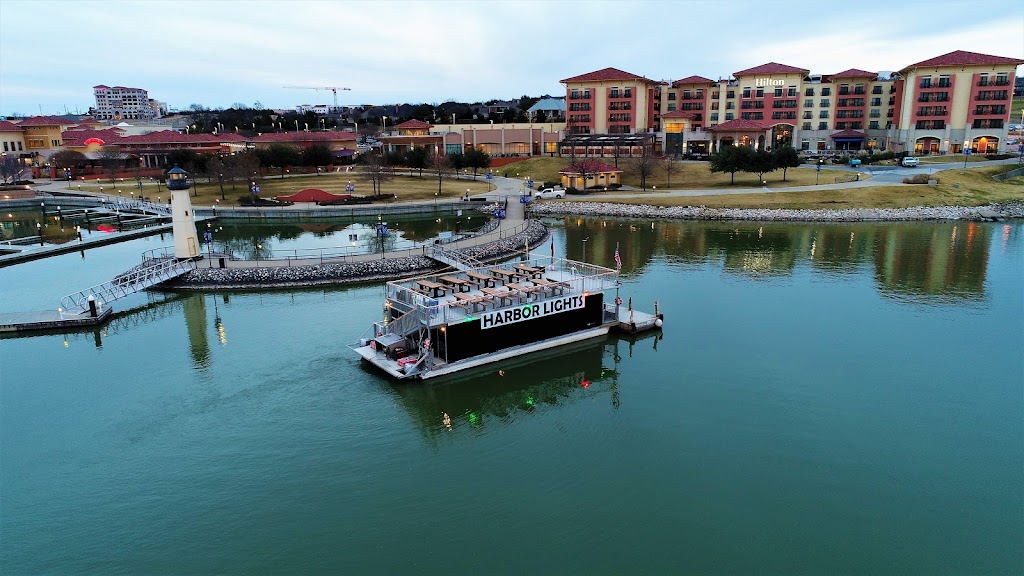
183	221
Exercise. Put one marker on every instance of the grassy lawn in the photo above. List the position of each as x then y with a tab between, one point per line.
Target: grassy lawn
1015	110
937	159
976	188
406	187
688	176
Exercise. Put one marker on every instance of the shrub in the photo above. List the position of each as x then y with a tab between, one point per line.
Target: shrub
999	156
614	186
920	179
574	191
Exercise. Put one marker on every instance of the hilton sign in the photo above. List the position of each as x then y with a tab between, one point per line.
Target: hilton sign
768	82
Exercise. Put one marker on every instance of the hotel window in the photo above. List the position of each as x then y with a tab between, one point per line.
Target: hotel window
841	126
876	113
778	92
714	116
809	92
873	125
791	92
5	147
714	105
808	103
746	93
628	92
844	89
730	105
686	94
759	93
926	82
716	94
826	91
671	107
805	145
699	94
729	116
877	89
671	95
944	81
586	94
1002	80
823	114
858	89
614	93
824	103
19	147
822	125
806	126
876	101
808	115
730	94
574	94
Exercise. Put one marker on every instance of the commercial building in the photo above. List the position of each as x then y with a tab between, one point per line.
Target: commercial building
124	103
940	105
498	140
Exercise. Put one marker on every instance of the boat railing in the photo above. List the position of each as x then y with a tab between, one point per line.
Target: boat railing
405	323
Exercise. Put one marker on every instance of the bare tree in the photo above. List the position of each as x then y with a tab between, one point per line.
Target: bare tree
10	169
440	163
112	161
670	169
377	171
643	165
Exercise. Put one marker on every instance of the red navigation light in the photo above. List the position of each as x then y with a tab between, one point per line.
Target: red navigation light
585	383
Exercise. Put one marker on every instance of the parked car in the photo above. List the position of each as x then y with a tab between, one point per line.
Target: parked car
909	161
549	193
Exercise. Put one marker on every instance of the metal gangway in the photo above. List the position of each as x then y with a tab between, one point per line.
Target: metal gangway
157	266
454	259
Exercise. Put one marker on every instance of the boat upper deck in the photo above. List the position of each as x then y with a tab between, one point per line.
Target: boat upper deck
455	295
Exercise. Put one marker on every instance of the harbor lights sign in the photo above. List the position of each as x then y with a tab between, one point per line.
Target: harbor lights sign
768	82
531	311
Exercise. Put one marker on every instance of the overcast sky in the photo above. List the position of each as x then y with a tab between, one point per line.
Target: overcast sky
219	53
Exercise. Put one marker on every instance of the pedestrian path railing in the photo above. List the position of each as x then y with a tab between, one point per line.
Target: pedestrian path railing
151	272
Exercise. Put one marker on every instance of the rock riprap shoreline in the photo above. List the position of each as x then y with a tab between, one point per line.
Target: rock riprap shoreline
645	211
270	276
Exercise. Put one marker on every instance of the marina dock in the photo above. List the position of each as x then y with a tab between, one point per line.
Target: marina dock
50	320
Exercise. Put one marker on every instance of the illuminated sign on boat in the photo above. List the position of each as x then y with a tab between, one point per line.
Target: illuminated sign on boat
531	311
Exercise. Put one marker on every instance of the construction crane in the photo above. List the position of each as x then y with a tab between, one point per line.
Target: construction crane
333	89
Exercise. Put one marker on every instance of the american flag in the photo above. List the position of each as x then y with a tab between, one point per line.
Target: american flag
618	259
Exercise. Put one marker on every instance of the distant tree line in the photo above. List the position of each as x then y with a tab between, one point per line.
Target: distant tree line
732	159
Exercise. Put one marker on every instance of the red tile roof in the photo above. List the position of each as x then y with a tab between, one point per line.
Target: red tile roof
79	137
590	166
772	68
679	114
964	58
693	80
606	74
331	136
848	133
854	73
45	121
413	125
6	126
739	125
172	137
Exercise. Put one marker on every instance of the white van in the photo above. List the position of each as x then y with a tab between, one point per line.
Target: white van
909	161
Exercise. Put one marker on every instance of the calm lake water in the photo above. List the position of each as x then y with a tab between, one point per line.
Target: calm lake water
825	398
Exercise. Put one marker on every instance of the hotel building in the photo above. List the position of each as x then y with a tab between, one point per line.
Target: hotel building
941	105
123	103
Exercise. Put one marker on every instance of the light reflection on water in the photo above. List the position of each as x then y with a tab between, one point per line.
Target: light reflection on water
823	399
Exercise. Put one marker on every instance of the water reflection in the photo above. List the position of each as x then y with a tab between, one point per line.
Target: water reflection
503	391
919	259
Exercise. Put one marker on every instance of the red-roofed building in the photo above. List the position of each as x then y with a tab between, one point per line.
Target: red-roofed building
955	101
937	105
12	139
589	174
413	128
611	101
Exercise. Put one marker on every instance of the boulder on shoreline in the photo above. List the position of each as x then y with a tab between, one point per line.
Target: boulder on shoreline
270	276
646	211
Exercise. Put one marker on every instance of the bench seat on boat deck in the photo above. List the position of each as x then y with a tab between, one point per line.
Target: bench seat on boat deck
462	300
501	295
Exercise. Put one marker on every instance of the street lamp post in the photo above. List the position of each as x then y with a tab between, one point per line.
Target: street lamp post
584	259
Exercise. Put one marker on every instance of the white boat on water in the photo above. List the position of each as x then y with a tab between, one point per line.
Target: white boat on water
442	323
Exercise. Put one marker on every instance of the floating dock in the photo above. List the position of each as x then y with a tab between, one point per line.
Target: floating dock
50	320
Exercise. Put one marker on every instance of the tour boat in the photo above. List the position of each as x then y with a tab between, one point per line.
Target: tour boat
477	314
